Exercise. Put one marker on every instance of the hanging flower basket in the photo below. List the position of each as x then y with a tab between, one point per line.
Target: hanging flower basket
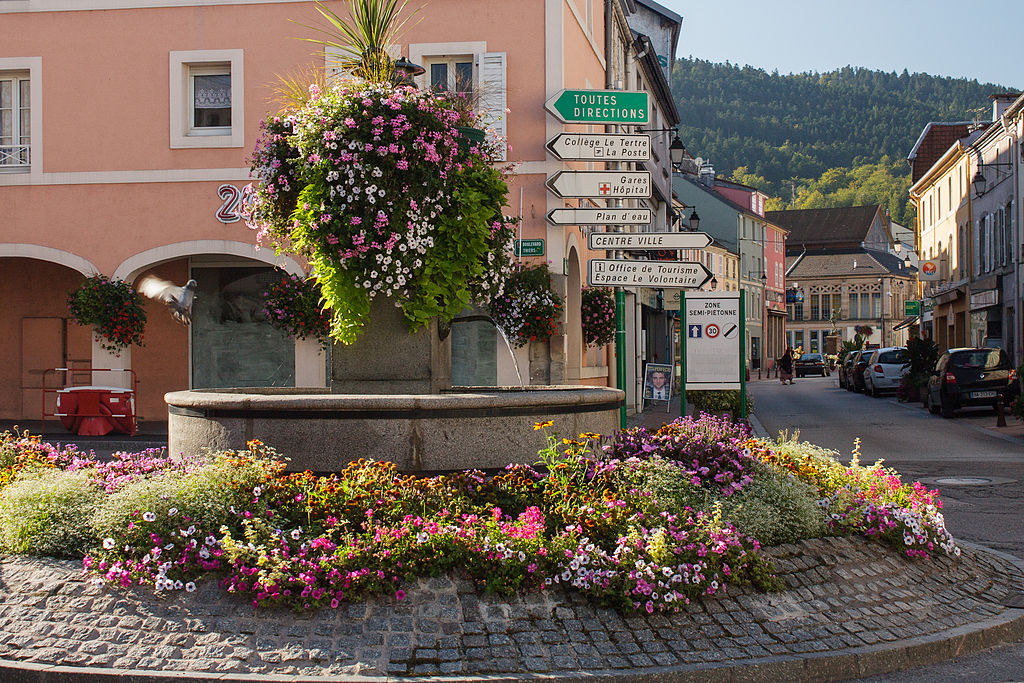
112	308
597	312
527	310
293	306
368	182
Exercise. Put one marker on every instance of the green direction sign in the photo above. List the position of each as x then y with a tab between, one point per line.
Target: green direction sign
911	308
530	247
599	106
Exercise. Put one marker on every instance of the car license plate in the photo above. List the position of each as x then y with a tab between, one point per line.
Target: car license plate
983	394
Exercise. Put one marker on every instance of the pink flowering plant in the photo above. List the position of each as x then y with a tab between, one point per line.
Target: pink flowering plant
597	311
292	305
527	310
369	183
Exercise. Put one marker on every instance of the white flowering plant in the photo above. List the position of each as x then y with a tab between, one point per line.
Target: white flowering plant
527	310
369	183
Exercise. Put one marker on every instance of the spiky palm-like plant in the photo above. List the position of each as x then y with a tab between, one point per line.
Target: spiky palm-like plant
362	39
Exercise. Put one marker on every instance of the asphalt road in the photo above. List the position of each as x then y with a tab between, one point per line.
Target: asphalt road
930	449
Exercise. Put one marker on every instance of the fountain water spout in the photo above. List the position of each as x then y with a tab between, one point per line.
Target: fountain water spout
445	329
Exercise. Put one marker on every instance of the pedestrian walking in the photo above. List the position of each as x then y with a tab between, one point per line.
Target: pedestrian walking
786	366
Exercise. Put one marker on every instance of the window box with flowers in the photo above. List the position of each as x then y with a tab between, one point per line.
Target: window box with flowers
527	310
293	306
112	308
597	312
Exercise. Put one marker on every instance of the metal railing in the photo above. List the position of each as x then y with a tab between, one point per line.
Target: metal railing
15	155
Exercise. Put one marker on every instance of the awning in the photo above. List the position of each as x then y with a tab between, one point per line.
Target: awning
907	322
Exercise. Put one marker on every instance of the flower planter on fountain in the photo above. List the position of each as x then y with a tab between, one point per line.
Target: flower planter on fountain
403	229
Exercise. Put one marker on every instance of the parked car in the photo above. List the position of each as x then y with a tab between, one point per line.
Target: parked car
857	370
885	369
971	377
810	364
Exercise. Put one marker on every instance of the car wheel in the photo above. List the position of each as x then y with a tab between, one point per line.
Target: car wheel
932	408
946	411
874	391
823	373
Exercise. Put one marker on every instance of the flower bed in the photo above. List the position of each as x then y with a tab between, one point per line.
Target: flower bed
645	522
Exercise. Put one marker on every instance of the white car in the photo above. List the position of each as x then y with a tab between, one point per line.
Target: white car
885	370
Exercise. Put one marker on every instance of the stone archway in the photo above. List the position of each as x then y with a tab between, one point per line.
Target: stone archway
35	330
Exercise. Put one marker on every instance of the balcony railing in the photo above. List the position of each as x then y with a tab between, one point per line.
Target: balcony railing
13	156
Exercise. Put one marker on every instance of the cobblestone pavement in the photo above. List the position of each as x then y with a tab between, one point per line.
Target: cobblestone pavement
843	595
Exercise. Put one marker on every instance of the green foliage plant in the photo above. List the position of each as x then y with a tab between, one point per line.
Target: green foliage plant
923	355
48	512
360	42
112	308
719	401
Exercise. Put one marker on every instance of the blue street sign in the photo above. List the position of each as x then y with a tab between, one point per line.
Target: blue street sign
695	331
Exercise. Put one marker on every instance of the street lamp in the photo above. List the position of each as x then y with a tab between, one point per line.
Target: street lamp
694	220
676	151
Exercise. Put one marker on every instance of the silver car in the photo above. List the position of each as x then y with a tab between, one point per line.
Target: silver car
885	370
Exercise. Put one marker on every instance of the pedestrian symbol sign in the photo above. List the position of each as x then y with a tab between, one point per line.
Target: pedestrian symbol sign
695	331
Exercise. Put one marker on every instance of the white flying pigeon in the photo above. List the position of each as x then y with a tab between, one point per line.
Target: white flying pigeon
178	299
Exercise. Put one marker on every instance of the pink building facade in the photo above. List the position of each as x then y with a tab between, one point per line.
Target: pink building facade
127	150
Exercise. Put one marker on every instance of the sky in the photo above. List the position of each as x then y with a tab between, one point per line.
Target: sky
959	38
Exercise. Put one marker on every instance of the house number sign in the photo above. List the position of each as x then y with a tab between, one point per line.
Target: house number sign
233	201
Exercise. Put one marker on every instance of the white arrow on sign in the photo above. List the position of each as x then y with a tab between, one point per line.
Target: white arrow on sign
600	147
671	274
648	240
598	184
615	216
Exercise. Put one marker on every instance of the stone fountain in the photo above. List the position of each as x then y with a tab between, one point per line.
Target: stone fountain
390	398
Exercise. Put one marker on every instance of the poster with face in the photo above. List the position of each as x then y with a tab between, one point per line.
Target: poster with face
658	382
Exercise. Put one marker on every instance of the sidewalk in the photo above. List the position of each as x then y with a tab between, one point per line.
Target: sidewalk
150	434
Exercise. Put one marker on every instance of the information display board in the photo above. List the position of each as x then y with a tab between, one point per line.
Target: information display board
711	325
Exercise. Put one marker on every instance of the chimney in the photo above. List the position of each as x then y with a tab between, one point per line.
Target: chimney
1000	102
707	174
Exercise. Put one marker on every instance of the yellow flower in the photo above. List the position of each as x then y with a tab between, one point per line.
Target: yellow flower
543	425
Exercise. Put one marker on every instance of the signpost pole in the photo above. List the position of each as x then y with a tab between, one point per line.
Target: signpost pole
743	360
620	348
682	353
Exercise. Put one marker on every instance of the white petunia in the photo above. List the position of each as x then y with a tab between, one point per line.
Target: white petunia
108	544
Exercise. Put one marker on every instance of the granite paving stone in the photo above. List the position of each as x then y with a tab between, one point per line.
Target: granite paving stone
843	594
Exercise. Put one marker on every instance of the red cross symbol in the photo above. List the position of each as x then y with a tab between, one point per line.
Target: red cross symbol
604	188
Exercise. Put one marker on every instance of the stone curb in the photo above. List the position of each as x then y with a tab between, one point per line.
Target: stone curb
869	660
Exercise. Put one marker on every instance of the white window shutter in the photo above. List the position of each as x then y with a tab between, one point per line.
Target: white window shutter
492	96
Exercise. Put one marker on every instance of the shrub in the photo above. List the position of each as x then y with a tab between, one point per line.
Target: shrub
776	508
48	512
718	401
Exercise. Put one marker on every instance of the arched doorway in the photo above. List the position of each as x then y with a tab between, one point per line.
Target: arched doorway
35	331
573	319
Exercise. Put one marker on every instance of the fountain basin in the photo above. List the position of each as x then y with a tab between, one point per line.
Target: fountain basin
465	427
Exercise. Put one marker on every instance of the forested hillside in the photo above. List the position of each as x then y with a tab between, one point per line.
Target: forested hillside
818	139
